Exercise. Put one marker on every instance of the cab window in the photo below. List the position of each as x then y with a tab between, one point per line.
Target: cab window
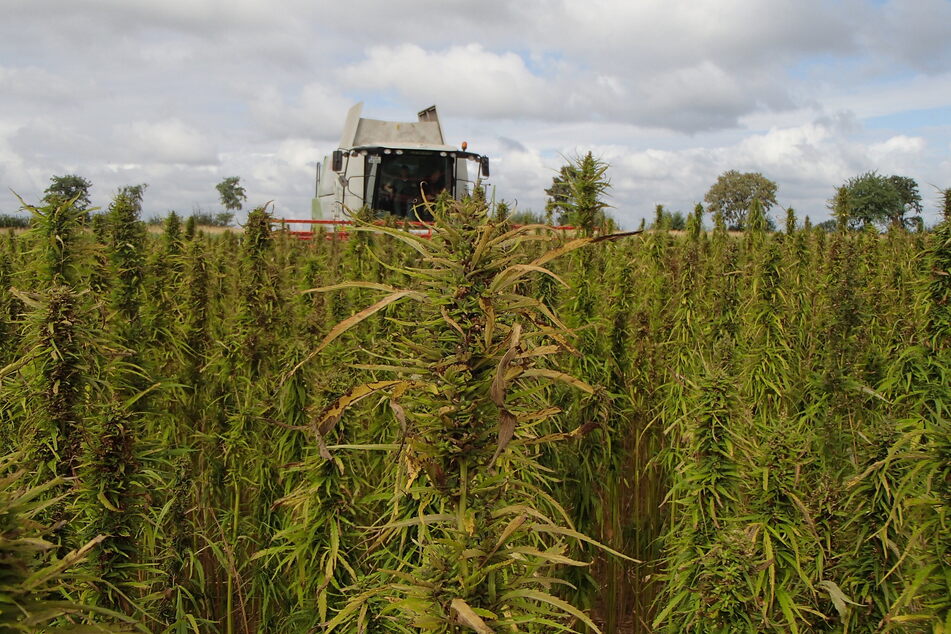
402	179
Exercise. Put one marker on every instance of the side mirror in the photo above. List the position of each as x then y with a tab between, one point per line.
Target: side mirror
337	163
484	162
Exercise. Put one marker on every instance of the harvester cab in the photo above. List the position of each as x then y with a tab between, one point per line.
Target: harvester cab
391	166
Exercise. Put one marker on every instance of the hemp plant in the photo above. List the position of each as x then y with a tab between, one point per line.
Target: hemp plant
473	540
32	580
53	358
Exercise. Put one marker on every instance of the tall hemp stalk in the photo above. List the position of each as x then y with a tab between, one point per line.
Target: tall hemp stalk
484	542
185	517
708	555
113	498
248	384
587	184
52	356
56	371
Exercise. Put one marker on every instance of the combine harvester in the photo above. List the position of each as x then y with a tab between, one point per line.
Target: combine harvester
389	167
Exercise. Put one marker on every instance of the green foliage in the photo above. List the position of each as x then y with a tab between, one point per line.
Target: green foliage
112	500
945	203
668	220
231	192
54	370
734	192
760	419
204	219
587	186
69	187
709	557
468	405
557	206
526	217
15	222
56	236
33	580
756	220
9	310
694	223
907	189
577	194
126	253
873	199
173	234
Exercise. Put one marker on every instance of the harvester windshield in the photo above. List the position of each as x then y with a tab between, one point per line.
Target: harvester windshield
404	178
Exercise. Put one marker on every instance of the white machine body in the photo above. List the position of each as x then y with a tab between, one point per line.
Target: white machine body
391	166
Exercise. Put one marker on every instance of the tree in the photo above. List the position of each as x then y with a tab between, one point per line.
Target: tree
734	192
232	193
910	199
134	193
525	217
557	206
873	199
68	187
205	219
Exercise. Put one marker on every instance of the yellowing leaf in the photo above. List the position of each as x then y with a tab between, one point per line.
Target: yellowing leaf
515	272
538	415
510	528
352	321
577	244
548	555
106	503
544	597
567	532
329	417
468	617
336	287
412	470
560	376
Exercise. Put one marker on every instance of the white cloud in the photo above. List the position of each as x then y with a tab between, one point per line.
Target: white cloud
468	80
135	15
898	154
807	161
472	81
903	94
37	84
182	93
316	110
520	175
168	141
914	32
14	174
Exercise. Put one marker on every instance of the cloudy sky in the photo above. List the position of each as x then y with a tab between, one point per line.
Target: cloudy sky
182	93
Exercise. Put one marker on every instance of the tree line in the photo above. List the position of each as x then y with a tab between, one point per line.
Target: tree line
866	200
73	187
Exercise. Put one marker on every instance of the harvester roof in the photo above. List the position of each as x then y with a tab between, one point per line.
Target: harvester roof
425	134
